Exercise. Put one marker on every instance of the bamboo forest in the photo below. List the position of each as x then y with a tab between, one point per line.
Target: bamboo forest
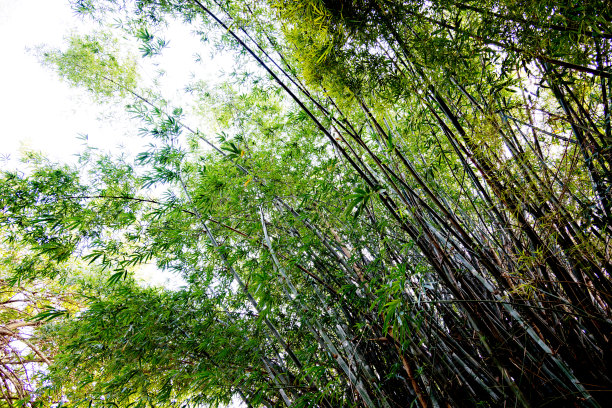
386	203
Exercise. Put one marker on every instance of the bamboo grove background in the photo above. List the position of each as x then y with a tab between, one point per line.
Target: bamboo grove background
409	205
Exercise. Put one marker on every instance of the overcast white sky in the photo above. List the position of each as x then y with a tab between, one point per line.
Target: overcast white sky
40	112
36	108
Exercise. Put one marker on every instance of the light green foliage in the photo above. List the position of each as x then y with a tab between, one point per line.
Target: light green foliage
31	300
94	62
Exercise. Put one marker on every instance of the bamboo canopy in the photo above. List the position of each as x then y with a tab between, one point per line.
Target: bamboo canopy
410	205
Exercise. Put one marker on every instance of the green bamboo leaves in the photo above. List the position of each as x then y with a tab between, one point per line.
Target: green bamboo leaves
361	197
151	46
93	62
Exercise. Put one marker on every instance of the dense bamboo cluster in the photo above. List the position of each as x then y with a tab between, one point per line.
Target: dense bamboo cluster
427	224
